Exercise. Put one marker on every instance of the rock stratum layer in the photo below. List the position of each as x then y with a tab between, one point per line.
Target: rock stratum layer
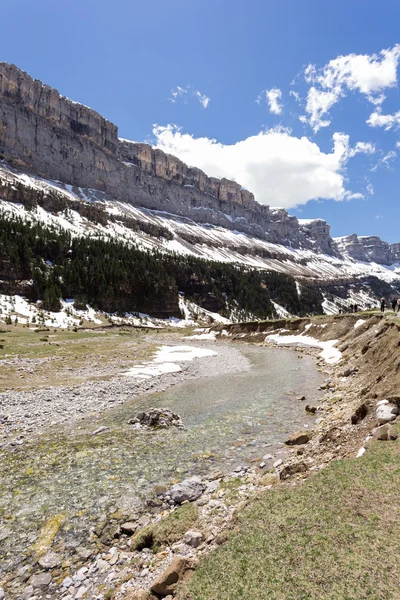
44	132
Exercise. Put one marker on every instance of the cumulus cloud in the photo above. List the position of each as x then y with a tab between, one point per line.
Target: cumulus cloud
273	98
279	168
377	119
368	74
183	92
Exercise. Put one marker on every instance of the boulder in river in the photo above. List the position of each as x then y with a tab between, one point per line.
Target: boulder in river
157	418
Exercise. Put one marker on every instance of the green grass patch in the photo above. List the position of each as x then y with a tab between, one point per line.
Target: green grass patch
167	531
336	537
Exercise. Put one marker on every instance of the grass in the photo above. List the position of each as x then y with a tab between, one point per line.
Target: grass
336	537
66	357
168	530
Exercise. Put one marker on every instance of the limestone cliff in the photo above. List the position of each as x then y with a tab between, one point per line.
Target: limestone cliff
367	249
42	131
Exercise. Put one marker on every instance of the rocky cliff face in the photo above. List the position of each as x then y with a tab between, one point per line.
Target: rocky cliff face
367	249
42	131
395	248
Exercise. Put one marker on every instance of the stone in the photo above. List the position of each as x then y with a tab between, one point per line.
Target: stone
299	437
177	571
2	594
278	463
215	475
349	371
41	581
359	414
100	430
67	582
267	457
292	469
193	538
386	412
157	418
50	560
81	592
129	528
187	490
384	433
310	409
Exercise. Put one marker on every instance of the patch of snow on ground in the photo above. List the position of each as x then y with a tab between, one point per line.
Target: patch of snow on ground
358	323
329	353
162	362
280	311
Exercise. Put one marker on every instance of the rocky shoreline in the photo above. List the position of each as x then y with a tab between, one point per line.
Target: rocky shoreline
133	565
26	414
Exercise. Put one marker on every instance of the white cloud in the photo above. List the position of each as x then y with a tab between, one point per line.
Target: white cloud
182	92
385	161
295	95
203	99
368	74
273	98
377	119
178	92
370	189
279	168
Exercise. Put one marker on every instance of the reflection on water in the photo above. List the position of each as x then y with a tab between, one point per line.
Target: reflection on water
228	420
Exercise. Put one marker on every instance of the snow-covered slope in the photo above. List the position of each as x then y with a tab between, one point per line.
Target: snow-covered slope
184	236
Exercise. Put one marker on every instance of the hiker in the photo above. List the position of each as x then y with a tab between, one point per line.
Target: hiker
356	308
394	304
398	305
383	303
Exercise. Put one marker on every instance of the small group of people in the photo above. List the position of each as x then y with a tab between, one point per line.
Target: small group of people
395	304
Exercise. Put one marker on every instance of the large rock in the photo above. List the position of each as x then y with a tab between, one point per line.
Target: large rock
41	581
178	570
189	489
384	433
297	438
193	538
158	418
386	412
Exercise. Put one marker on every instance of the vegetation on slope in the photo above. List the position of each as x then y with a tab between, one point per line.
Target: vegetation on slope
335	537
112	276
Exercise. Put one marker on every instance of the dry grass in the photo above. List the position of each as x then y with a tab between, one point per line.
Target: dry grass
32	359
336	537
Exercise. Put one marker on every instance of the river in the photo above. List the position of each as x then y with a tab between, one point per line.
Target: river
79	478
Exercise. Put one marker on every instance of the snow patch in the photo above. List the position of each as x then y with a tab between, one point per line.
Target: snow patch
329	353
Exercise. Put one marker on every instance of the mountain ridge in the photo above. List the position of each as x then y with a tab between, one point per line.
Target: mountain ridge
63	140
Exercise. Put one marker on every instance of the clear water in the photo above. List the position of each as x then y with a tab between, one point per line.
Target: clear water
229	420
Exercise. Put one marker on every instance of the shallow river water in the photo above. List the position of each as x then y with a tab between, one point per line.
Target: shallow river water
75	478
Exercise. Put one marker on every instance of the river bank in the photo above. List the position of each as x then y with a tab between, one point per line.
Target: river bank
121	567
73	477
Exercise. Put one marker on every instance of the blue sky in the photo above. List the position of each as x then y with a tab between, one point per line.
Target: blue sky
186	75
